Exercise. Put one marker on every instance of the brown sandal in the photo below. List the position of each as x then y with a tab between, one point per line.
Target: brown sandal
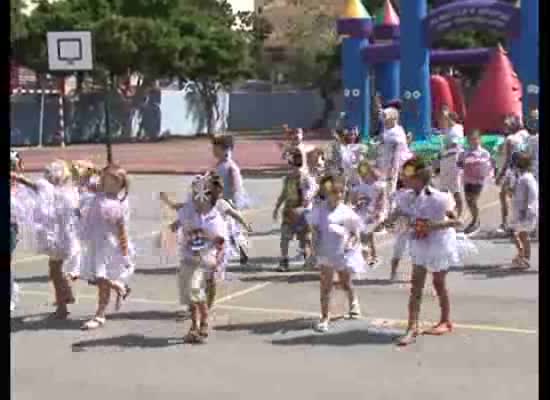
203	331
193	336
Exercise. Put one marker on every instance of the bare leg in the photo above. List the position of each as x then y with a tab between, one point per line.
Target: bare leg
104	295
394	267
525	244
326	289
503	197
415	301
444	325
210	292
345	280
62	289
459	204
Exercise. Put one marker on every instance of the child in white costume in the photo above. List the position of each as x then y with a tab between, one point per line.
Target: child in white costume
233	187
402	215
369	201
525	210
434	246
56	229
450	176
336	238
203	254
108	257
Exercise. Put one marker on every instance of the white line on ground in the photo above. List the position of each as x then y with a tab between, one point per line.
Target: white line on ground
379	322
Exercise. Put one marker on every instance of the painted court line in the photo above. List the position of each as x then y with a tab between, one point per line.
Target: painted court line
379	322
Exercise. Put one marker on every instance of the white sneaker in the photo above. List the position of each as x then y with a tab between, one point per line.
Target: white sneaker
322	326
355	310
12	306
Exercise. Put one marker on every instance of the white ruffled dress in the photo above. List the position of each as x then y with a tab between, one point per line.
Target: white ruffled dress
334	247
371	212
102	255
56	224
525	204
443	248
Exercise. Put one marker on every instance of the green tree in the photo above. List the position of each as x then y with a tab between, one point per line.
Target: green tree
17	20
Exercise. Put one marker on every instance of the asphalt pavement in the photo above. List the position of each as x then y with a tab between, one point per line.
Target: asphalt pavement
262	343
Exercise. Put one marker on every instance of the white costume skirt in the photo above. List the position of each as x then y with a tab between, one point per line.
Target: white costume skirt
401	245
104	260
527	224
352	261
441	250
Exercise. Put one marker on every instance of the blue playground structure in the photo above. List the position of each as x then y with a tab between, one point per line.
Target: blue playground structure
401	54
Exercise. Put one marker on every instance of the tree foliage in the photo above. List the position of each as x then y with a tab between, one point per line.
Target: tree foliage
192	40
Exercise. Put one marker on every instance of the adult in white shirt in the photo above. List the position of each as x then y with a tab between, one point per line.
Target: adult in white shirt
395	148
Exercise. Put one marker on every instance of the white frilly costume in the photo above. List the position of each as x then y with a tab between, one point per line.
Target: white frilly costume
335	247
55	224
443	248
102	255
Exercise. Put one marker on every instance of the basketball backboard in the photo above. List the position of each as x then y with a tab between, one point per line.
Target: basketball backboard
70	51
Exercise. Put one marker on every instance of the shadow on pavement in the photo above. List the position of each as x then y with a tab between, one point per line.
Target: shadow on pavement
156	271
127	341
270	232
496	271
269	327
33	279
347	338
41	322
150	315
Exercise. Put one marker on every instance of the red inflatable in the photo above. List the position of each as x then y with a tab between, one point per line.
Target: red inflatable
458	95
498	94
441	97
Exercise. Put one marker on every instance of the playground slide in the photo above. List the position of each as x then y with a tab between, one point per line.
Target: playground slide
441	97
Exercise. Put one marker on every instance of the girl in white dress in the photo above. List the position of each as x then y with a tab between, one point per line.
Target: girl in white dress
450	176
369	201
203	254
108	255
434	247
525	210
516	141
401	217
336	237
56	230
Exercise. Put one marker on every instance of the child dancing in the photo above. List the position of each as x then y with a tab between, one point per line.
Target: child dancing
477	165
525	210
56	230
336	235
297	195
369	201
230	173
434	247
108	256
203	254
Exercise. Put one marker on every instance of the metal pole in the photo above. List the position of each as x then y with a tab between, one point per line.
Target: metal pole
41	126
108	126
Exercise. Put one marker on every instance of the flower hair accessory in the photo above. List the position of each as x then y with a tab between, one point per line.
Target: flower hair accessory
327	186
201	188
364	168
409	171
